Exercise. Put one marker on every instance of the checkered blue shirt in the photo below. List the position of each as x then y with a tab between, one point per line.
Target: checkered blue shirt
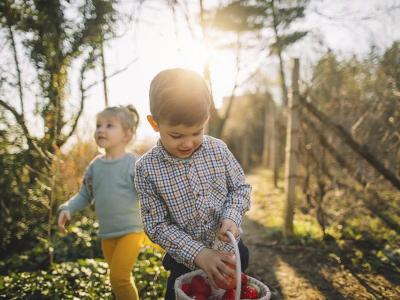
183	202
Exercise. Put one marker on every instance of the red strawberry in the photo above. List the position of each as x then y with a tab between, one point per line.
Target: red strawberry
243	279
200	286
229	282
200	297
187	289
249	292
229	295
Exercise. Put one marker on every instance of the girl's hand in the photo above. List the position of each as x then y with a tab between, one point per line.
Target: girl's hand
227	225
62	219
215	264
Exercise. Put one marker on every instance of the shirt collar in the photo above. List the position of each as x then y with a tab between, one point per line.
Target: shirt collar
163	154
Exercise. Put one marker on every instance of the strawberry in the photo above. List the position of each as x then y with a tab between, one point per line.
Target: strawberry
249	292
229	282
229	295
186	288
243	279
200	286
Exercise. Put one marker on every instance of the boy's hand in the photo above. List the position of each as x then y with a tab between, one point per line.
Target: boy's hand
227	224
62	219
213	262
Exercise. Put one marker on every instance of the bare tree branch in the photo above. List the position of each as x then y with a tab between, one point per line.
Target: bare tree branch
78	114
104	73
85	67
370	197
83	91
16	61
236	84
185	11
172	4
112	75
346	137
19	118
21	122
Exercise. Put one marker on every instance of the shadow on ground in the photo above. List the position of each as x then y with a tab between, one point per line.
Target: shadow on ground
322	271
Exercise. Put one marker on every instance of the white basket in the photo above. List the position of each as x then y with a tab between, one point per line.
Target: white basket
265	293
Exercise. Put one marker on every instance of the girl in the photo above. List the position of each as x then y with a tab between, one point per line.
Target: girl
108	182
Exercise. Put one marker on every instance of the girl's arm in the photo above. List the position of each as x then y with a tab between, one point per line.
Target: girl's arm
79	201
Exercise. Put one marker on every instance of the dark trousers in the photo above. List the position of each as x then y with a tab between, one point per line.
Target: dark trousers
178	269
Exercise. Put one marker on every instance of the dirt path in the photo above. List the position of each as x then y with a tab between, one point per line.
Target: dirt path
303	272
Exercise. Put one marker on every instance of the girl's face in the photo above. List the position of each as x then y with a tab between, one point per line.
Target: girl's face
110	134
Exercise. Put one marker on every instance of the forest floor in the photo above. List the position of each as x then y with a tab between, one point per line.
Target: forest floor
303	269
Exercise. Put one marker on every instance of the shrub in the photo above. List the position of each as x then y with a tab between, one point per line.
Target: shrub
84	279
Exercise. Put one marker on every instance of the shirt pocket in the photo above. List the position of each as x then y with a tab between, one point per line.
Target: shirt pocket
177	200
214	198
218	189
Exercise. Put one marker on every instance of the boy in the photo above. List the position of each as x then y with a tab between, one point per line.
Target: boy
191	189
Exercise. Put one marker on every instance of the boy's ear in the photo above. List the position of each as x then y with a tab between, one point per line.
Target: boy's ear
153	123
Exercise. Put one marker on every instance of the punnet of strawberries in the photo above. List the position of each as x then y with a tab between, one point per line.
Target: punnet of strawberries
200	289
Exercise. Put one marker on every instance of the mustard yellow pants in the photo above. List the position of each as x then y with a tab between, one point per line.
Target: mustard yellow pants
121	254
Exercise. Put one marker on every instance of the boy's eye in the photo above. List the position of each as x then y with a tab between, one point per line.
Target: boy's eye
98	125
109	125
175	136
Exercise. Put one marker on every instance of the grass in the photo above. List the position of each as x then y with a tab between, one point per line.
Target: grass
268	202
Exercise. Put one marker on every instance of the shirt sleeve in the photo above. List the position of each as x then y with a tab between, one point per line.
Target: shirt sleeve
160	227
132	171
84	197
238	199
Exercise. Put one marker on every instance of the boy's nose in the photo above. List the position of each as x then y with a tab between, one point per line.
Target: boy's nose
187	144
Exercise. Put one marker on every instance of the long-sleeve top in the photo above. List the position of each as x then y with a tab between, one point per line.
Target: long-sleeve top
184	201
109	184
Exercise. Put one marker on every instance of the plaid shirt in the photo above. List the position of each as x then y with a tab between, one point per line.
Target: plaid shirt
183	202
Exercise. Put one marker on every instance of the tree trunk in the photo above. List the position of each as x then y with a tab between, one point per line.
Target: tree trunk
104	73
245	153
270	156
291	153
279	53
275	145
266	155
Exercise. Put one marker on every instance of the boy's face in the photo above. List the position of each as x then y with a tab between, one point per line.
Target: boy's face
180	141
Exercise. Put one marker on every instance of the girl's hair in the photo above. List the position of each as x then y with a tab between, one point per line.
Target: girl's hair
128	116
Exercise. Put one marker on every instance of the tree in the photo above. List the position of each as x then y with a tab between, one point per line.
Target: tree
54	35
273	19
291	153
350	143
53	41
278	16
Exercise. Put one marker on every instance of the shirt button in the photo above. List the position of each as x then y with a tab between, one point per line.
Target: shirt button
205	222
197	194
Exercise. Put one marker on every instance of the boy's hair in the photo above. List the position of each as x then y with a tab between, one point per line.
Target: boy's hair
128	116
179	96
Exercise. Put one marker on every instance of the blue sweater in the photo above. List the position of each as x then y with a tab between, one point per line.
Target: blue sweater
109	184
